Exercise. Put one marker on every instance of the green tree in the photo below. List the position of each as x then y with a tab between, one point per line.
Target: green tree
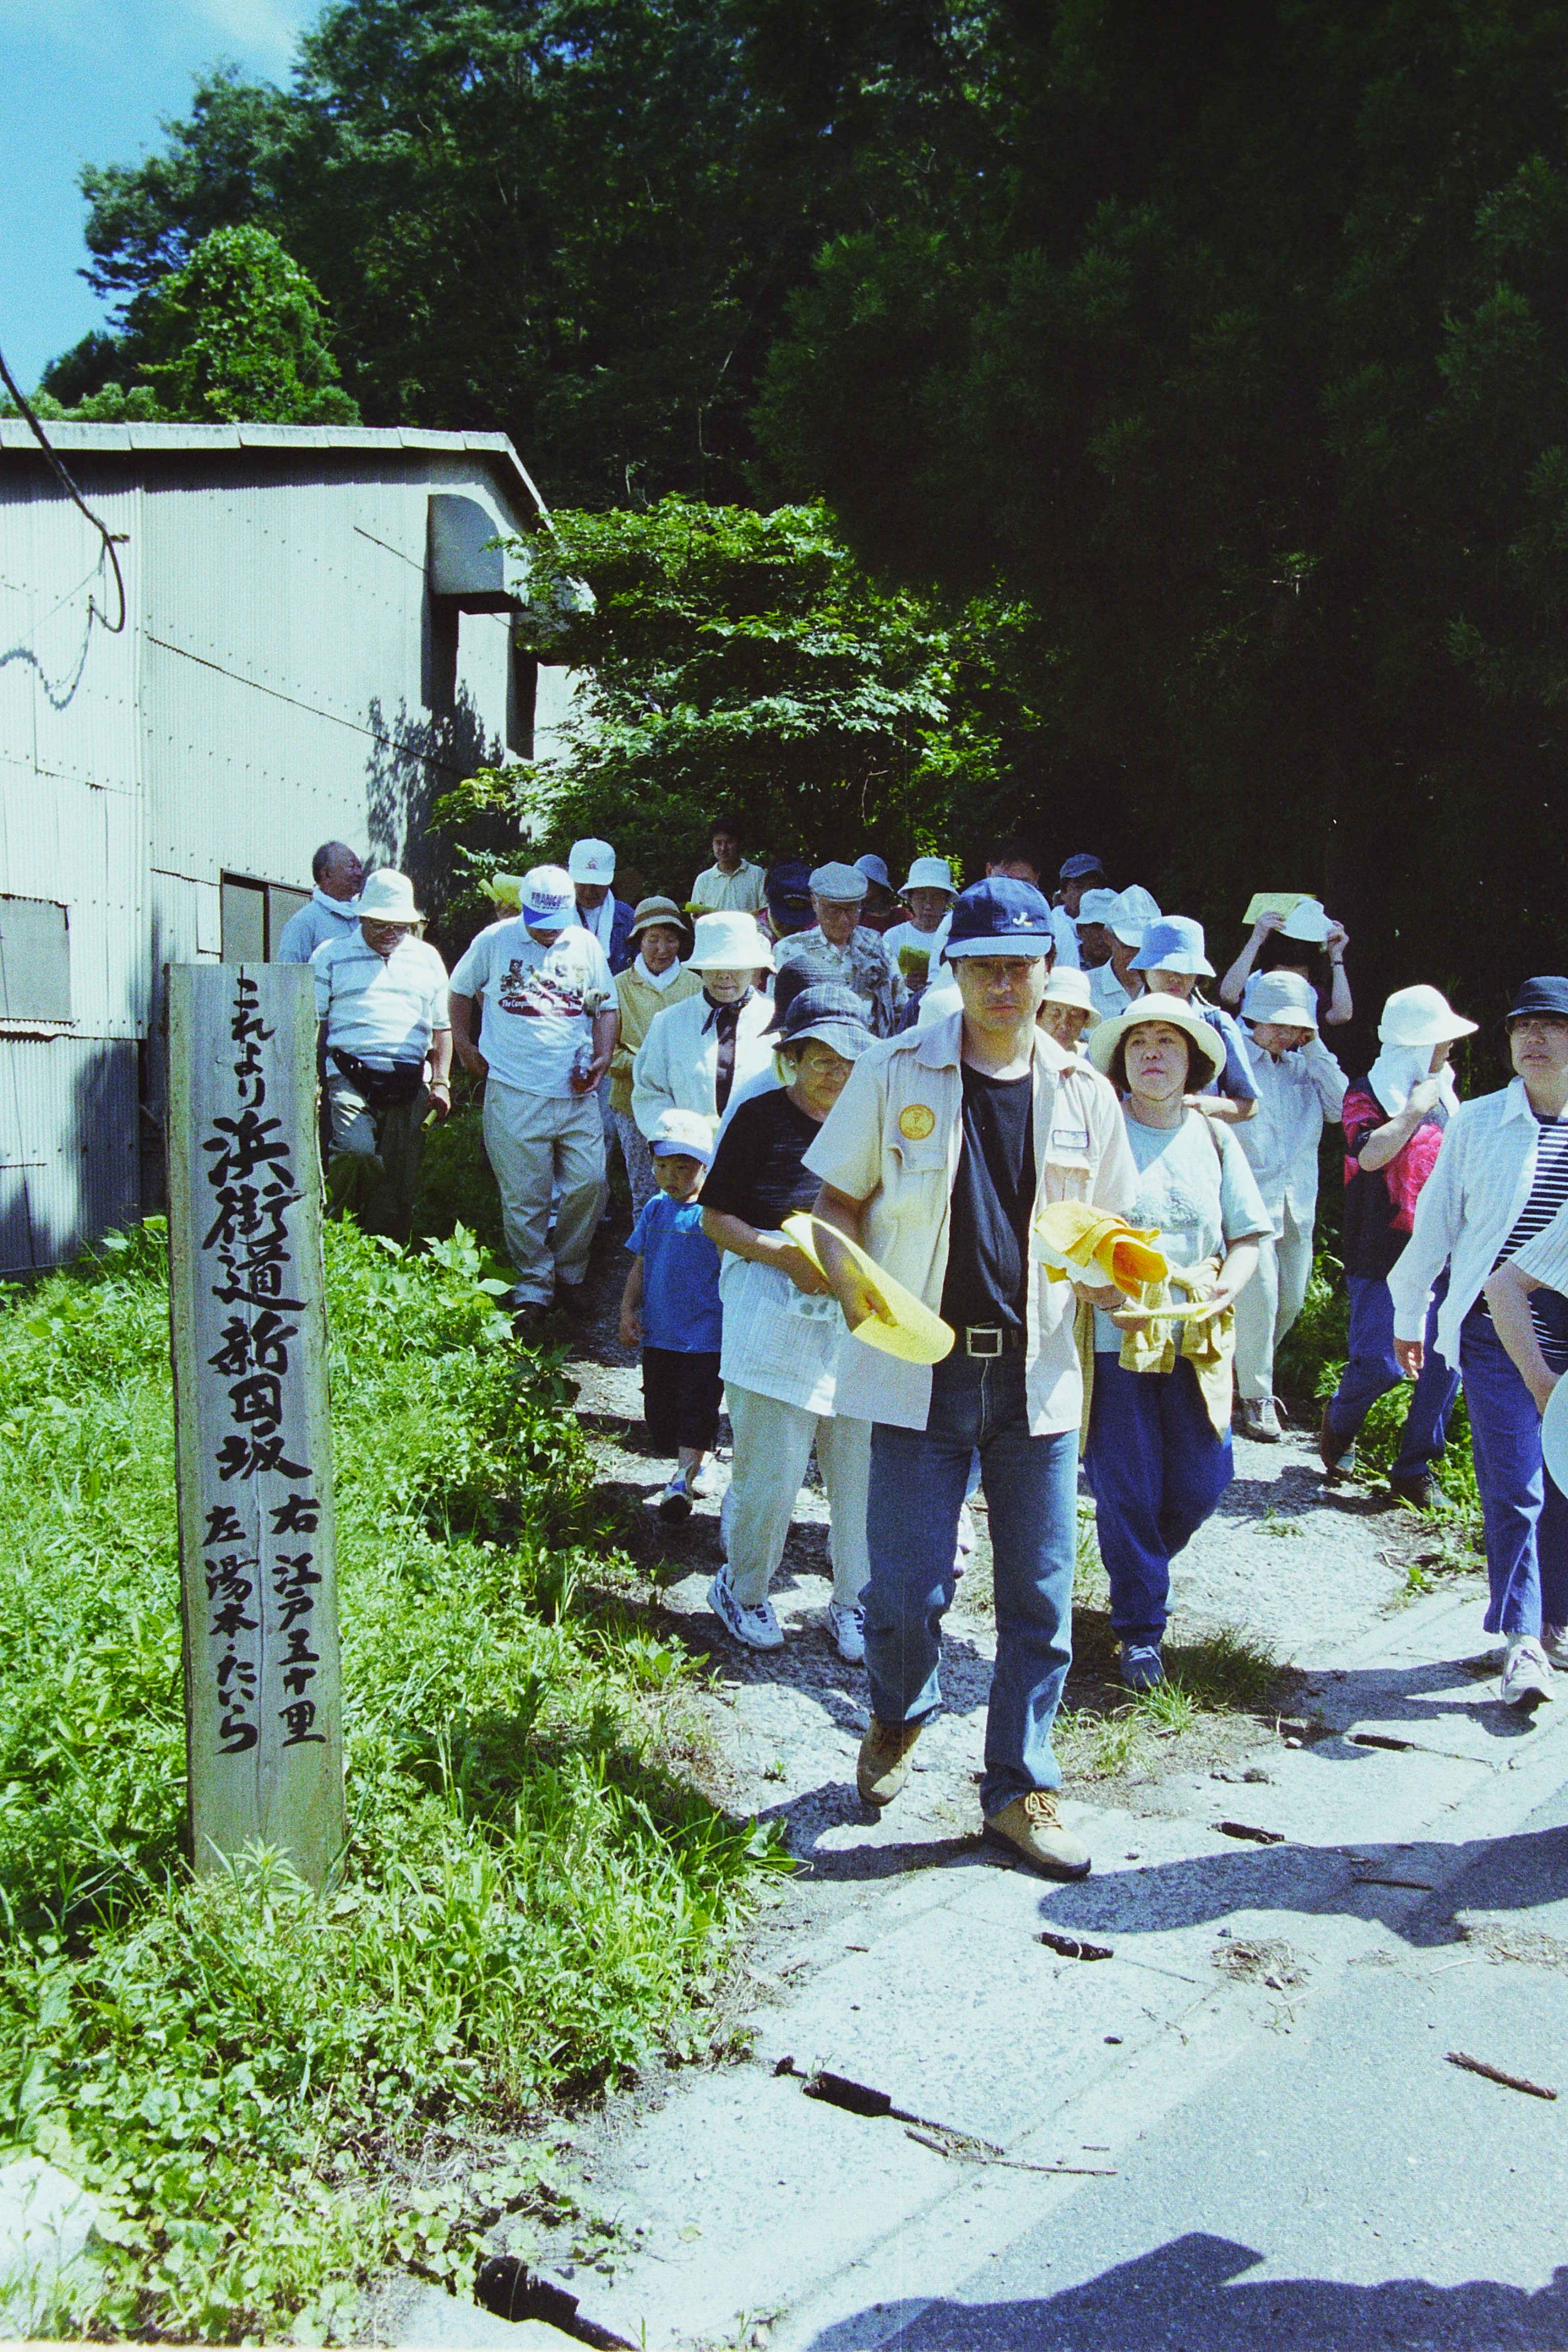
238	333
741	660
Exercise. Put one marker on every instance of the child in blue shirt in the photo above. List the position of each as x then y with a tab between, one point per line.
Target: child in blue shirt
670	1309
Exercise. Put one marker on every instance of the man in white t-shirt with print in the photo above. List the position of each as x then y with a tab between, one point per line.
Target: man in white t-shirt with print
548	1030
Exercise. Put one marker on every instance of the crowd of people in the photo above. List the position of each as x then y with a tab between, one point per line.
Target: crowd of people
844	1104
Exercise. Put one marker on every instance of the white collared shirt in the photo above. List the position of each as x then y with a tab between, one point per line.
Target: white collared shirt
384	1008
892	1141
737	893
1294	1095
1469	1204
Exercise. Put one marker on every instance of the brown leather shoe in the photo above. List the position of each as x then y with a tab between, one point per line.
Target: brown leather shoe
883	1765
1031	1830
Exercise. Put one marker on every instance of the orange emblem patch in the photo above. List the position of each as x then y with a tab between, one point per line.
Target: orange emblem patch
916	1122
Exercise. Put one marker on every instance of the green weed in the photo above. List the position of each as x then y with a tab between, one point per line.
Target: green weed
252	2077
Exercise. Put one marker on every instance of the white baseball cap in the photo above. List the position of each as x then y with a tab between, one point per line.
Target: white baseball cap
930	874
683	1131
592	861
548	902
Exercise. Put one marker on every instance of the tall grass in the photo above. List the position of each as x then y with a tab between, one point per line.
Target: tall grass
248	2074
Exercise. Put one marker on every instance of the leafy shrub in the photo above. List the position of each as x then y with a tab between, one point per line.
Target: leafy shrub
242	2069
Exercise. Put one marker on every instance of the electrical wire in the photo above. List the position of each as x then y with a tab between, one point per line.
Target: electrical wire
111	539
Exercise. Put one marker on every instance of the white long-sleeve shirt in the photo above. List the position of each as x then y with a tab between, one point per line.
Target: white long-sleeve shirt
677	1062
1294	1095
1468	1206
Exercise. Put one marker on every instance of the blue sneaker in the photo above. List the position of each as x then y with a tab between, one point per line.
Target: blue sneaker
1141	1664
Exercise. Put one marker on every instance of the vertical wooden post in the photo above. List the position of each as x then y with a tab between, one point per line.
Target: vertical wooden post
248	1316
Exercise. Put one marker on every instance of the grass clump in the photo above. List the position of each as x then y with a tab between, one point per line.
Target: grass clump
265	2085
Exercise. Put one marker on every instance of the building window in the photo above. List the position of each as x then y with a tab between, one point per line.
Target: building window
35	961
252	916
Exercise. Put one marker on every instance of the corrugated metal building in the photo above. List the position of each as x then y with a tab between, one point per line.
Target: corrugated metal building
318	641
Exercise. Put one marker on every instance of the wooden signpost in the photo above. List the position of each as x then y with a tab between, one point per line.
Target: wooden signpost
263	1698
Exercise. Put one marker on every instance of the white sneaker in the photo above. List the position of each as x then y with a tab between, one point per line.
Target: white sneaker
847	1628
1260	1418
1526	1676
758	1627
1554	1642
672	1503
702	1483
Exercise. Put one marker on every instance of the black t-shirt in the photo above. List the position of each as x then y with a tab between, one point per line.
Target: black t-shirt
757	1172
993	1204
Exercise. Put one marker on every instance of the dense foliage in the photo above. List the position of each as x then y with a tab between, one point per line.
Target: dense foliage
241	2070
742	661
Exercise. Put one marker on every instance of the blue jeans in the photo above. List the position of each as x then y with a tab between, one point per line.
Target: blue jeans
1156	1467
1371	1371
917	1481
1525	1513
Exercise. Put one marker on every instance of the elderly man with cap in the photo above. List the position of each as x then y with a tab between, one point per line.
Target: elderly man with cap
386	1039
1170	962
1395	1119
649	985
548	1028
591	866
916	945
732	884
937	1157
330	912
840	951
695	1053
1096	910
1300	1086
782	1332
1501	1177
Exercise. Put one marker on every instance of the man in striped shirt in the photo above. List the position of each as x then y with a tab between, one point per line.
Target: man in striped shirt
1499	1179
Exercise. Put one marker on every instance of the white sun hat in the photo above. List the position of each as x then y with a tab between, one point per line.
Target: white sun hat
592	861
1284	998
929	874
728	941
549	901
1136	909
1098	907
387	897
1421	1016
1068	986
1306	922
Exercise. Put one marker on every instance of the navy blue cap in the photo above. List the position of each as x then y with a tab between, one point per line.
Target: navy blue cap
786	888
1000	916
836	1015
1074	868
1548	993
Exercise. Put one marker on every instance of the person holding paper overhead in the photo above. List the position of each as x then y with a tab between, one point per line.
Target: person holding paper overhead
938	1156
1294	934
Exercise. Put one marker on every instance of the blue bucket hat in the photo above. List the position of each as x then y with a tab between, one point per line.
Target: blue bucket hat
1000	916
1546	994
1175	944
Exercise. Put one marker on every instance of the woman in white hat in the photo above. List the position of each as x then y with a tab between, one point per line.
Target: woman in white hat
1066	1009
841	951
654	981
1158	1455
1306	940
1395	1119
1299	1085
917	944
695	1053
